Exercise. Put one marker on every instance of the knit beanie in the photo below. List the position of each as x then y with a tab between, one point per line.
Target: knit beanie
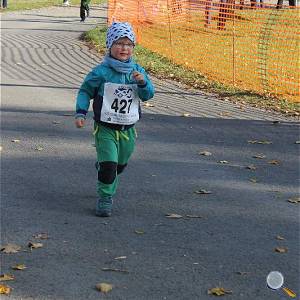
118	30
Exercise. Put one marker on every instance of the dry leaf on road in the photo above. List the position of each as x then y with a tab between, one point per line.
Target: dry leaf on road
104	287
11	248
5	289
186	115
39	148
147	104
251	167
173	216
137	231
274	162
281	249
294	200
19	267
289	292
6	277
259	142
34	245
193	216
279	237
115	270
223	162
259	156
218	291
202	192
120	257
15	141
41	236
205	153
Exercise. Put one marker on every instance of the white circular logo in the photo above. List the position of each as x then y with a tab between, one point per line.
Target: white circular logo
275	280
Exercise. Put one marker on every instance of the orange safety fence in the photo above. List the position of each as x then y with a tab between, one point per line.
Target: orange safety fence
253	46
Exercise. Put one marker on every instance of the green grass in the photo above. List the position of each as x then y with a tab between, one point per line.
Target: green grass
14	5
161	67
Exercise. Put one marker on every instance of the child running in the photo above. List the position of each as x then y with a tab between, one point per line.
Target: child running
116	86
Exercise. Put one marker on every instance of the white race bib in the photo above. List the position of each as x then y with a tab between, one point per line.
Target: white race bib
120	104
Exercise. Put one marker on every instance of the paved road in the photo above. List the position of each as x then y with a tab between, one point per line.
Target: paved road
48	183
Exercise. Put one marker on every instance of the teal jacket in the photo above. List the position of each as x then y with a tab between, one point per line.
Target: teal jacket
93	88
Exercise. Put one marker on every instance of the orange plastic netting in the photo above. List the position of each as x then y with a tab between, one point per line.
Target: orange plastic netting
254	46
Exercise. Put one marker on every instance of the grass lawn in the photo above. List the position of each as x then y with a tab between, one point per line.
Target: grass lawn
162	67
31	4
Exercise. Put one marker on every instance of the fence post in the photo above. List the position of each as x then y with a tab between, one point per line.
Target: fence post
170	33
233	51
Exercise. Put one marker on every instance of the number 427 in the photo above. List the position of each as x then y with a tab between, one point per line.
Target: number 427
121	107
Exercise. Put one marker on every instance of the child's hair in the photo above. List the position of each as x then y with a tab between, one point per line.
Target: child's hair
118	30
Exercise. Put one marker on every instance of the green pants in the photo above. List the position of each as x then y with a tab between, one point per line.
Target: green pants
114	149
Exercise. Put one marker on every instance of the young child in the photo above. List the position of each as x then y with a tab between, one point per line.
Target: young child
117	85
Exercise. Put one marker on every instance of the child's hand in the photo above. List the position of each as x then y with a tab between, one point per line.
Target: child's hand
138	77
79	122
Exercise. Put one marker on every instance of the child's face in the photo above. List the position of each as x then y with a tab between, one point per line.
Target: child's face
122	49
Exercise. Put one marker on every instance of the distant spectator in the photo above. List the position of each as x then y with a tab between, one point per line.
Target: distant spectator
84	9
280	2
257	3
4	3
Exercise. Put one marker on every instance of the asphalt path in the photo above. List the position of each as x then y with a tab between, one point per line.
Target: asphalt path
226	238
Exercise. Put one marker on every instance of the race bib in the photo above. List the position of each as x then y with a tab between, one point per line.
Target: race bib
120	104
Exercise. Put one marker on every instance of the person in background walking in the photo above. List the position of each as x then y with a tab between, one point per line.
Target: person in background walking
280	2
66	3
84	9
4	3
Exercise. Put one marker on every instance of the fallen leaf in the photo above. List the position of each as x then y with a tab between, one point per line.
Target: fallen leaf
274	162
41	236
6	277
205	153
297	142
294	200
259	156
11	248
19	267
115	270
243	273
218	291
56	122
104	287
5	289
35	245
259	142
139	231
281	249
120	257
147	104
186	115
225	114
251	167
202	192
254	180
39	148
193	216
15	141
173	216
223	162
289	292
279	237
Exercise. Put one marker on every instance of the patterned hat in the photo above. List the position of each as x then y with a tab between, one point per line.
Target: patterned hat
118	30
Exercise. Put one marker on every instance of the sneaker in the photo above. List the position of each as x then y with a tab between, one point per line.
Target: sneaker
104	207
66	3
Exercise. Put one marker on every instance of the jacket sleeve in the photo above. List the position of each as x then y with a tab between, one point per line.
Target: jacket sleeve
145	91
87	92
